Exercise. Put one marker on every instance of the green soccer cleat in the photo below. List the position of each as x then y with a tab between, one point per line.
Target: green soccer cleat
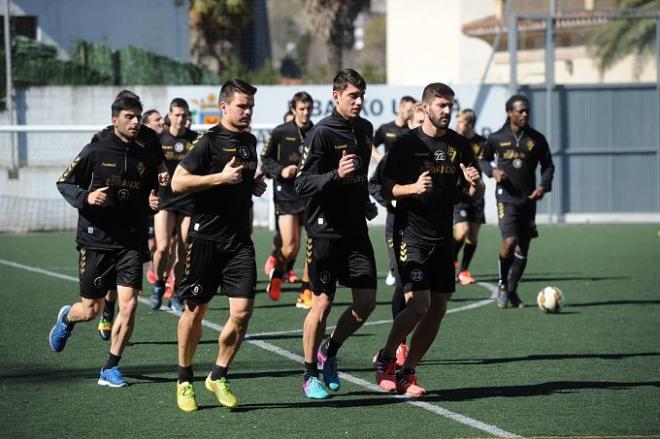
222	391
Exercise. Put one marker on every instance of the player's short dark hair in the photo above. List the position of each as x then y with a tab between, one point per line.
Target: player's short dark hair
301	96
436	89
123	104
348	76
147	114
469	115
179	103
513	99
407	99
232	86
125	93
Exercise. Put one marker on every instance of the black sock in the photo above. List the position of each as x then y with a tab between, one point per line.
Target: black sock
159	283
278	273
218	372
400	373
505	266
516	272
109	310
290	265
274	253
468	253
305	286
398	301
330	348
185	374
67	322
112	361
311	370
457	248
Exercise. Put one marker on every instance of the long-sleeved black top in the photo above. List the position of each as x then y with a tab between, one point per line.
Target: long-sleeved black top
129	171
335	207
284	148
518	156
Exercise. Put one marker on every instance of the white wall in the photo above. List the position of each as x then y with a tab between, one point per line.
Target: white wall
117	23
425	43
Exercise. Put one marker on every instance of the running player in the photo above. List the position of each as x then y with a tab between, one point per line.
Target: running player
332	177
147	138
519	150
220	171
172	220
422	173
387	133
112	183
280	159
468	213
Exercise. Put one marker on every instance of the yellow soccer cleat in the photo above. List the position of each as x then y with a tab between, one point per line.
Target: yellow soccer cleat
105	328
185	397
222	391
304	300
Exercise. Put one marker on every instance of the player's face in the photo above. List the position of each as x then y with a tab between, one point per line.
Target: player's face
155	122
439	110
127	123
463	126
178	118
238	112
519	114
406	110
302	111
349	102
416	120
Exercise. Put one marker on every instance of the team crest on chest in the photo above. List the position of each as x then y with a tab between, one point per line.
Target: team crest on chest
140	168
178	147
517	163
530	145
452	153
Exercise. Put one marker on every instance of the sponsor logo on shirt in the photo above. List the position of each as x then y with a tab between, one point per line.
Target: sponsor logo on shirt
390	135
505	143
108	165
344	146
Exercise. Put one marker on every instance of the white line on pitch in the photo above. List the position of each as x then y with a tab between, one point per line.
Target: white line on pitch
462	419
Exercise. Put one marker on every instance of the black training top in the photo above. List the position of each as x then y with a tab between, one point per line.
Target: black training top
222	213
376	185
175	149
335	207
477	143
428	217
518	157
387	133
129	172
146	138
284	148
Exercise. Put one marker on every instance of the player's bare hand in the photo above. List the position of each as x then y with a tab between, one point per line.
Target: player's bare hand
232	173
154	201
471	174
499	175
289	171
347	164
163	178
259	186
424	183
537	194
97	197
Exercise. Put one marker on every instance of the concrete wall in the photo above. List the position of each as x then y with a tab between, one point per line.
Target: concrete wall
160	26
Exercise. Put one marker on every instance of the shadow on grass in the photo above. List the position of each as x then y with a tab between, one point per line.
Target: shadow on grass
539	357
549	388
616	302
548	277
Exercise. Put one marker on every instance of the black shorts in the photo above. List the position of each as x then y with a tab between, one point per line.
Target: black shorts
211	264
470	212
517	220
426	266
289	207
102	270
347	260
178	203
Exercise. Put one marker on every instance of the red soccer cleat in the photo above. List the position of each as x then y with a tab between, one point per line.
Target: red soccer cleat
385	373
406	383
274	288
465	278
401	355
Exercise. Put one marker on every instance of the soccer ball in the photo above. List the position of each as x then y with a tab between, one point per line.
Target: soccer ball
550	299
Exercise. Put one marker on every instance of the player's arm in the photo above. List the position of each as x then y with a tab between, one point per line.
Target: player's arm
269	162
75	181
375	184
547	171
310	180
486	157
378	140
395	174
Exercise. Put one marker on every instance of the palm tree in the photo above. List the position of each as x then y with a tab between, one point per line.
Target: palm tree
620	38
334	21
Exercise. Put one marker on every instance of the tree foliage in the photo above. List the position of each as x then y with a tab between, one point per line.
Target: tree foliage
334	21
622	37
216	27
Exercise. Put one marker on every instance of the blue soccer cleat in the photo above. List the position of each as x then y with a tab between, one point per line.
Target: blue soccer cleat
313	389
156	299
112	377
61	331
330	372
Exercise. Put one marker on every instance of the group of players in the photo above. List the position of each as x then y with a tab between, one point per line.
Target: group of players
320	179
